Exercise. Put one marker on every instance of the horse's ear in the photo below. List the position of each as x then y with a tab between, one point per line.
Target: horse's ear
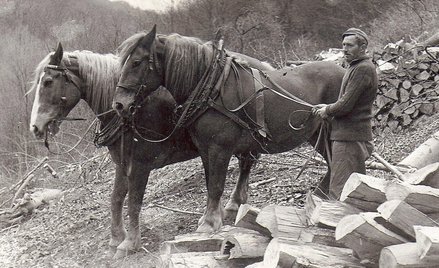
56	58
149	38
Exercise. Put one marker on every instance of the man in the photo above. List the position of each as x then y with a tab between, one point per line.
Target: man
350	116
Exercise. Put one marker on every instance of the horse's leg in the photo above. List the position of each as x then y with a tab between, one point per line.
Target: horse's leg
137	181
218	160
120	189
239	195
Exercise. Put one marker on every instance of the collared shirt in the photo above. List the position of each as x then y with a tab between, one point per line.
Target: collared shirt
352	112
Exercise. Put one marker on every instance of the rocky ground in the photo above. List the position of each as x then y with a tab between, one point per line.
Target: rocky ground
74	231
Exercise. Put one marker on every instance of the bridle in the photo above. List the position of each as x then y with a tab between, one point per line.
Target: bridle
152	65
65	72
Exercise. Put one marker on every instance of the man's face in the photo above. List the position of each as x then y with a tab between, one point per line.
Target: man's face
352	50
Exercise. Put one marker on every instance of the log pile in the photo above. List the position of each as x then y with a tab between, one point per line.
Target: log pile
378	222
408	88
275	236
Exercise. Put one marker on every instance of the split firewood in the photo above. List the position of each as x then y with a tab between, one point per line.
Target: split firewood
244	244
327	213
425	154
290	253
246	218
404	216
427	241
365	236
282	221
321	236
423	198
196	242
403	256
364	192
203	260
427	175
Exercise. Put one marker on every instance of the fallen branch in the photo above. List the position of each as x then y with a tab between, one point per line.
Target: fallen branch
30	172
151	205
24	184
258	183
394	170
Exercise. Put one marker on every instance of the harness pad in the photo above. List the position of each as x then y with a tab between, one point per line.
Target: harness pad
259	103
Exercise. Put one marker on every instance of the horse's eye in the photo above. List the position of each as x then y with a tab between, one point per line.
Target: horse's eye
47	83
136	63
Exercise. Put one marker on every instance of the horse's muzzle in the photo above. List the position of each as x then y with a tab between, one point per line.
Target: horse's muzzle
38	133
124	110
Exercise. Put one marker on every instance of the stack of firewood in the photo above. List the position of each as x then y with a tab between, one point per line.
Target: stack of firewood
408	87
378	222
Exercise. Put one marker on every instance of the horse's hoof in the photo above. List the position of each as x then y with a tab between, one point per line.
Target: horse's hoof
231	206
205	228
122	253
111	251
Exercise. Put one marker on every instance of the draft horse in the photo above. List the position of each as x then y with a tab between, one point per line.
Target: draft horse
220	128
63	79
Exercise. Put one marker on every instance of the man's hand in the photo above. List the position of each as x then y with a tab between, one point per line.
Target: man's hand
320	110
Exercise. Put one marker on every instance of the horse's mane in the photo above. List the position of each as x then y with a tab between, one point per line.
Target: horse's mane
185	60
99	73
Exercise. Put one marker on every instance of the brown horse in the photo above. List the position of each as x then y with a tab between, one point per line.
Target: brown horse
180	63
62	79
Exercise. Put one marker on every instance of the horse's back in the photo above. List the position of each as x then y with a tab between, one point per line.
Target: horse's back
315	82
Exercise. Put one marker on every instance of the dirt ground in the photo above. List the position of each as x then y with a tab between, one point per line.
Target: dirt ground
74	231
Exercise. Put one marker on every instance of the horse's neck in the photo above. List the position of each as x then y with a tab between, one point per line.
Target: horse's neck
95	103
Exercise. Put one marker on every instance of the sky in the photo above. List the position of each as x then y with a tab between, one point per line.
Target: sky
157	5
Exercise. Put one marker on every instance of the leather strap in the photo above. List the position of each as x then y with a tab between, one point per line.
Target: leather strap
259	103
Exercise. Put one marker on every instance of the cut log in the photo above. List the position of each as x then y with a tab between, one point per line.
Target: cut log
416	89
428	175
426	108
321	236
364	192
327	213
246	218
288	253
403	256
197	242
404	216
244	244
204	260
423	76
365	236
423	198
425	154
282	221
427	241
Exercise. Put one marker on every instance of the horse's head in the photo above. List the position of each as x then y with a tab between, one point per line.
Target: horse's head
141	72
57	91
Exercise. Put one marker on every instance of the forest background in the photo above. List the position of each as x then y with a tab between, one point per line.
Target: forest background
272	30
